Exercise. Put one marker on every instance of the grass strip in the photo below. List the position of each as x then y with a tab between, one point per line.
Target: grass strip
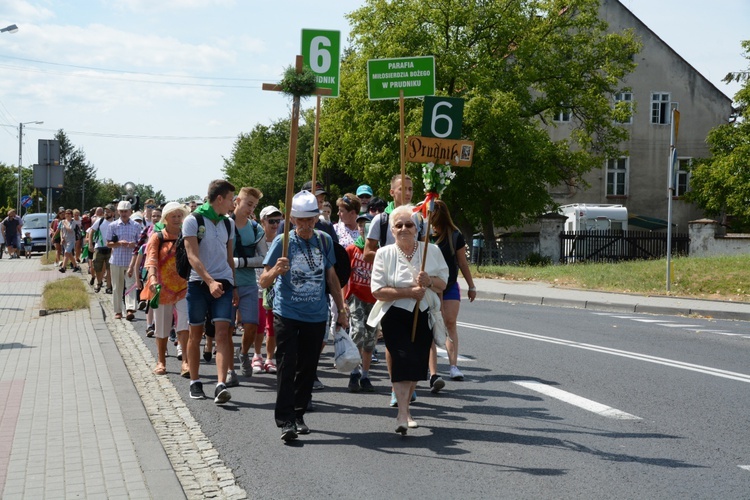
67	293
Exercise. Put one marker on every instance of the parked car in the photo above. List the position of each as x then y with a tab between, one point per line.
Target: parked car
38	226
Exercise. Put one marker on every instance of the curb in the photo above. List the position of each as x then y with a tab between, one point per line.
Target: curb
193	460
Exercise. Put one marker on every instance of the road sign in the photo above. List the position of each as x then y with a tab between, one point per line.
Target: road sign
442	117
321	51
26	201
414	75
458	153
48	152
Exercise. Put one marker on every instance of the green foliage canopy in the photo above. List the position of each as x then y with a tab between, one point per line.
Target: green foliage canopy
721	184
515	63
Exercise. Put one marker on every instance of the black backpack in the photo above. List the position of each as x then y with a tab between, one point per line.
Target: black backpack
181	256
342	266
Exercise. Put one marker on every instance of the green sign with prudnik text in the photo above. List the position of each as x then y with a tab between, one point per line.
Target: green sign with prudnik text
386	78
321	52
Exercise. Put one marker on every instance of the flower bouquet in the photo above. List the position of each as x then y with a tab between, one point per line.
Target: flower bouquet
436	177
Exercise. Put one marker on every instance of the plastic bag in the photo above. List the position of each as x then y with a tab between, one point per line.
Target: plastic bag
347	355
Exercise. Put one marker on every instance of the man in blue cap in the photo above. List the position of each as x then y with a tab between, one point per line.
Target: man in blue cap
364	193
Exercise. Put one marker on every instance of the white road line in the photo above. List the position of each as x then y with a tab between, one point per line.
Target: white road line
745	467
677	325
444	354
644	320
716	372
567	397
716	332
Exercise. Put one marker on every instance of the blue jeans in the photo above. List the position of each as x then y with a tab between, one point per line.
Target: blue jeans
200	301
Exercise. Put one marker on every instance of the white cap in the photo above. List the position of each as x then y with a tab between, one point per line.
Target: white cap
124	205
269	210
305	204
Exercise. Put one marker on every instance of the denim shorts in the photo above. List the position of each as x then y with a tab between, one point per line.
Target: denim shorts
248	305
200	301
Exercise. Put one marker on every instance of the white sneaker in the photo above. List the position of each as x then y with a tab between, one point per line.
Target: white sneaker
456	373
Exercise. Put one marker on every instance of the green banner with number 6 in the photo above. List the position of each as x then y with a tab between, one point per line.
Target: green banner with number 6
442	117
321	52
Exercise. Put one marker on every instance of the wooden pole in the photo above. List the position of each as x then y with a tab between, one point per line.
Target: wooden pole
424	260
315	144
401	144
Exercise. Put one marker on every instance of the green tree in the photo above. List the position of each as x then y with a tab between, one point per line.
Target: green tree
80	186
260	159
515	64
720	185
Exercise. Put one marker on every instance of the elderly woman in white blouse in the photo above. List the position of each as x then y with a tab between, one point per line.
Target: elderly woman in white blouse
399	285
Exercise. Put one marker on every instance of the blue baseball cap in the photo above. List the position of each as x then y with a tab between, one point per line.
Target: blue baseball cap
364	189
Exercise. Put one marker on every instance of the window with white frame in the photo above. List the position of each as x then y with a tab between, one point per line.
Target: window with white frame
562	115
617	176
627	99
683	176
660	108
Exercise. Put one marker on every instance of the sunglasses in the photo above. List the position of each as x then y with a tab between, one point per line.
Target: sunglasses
274	221
151	206
407	225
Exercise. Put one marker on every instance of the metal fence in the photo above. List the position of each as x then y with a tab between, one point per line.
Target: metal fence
615	245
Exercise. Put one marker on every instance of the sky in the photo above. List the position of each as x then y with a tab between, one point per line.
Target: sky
157	92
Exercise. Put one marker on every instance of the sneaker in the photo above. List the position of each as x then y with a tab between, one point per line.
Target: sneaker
354	382
288	431
221	394
179	352
207	356
232	380
130	316
366	385
98	288
394	401
301	426
257	364
142	305
456	373
173	337
91	281
108	290
150	330
436	383
247	364
375	359
414	396
196	391
270	366
318	385
62	269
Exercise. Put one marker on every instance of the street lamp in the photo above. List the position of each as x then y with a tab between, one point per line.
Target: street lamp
10	29
20	161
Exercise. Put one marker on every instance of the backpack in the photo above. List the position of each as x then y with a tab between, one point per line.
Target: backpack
342	266
241	250
181	256
384	229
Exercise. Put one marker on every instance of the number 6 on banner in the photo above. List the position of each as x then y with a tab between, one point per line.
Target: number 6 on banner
321	52
442	117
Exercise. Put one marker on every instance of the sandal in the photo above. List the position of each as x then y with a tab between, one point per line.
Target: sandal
185	373
160	370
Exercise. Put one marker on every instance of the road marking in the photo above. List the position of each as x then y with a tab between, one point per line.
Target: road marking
716	372
567	397
745	467
444	354
678	325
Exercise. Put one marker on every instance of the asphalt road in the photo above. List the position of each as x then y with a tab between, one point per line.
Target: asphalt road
557	403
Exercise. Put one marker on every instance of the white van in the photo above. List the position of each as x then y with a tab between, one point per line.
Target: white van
592	217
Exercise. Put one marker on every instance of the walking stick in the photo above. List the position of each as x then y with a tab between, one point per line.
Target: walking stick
424	259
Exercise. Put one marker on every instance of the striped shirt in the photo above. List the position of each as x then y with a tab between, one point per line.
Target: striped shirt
126	231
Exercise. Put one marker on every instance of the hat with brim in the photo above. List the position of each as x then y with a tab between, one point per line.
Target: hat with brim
364	189
173	206
124	205
268	211
364	217
318	188
304	204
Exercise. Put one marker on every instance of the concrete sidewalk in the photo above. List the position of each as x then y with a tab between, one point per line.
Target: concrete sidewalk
71	422
530	292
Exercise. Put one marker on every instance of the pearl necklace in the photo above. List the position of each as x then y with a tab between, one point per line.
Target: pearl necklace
411	255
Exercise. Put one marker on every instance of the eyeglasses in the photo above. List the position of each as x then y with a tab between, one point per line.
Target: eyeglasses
274	221
407	225
151	206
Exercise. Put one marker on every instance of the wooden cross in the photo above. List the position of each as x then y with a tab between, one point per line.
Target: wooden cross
292	152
